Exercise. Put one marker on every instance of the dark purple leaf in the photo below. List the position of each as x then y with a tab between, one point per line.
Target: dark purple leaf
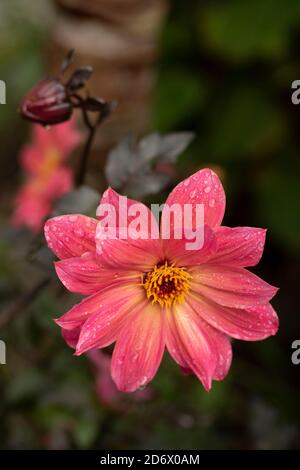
79	77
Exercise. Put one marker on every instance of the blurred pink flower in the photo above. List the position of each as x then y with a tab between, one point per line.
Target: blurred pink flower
146	294
105	387
47	176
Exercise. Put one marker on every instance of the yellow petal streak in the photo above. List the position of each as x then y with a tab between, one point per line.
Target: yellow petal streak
167	284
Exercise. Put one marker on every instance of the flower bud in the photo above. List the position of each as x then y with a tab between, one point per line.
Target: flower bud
47	103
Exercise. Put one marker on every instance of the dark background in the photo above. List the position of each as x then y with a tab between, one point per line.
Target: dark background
224	70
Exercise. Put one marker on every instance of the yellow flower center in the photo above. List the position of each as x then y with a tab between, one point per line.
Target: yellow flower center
167	284
48	166
50	162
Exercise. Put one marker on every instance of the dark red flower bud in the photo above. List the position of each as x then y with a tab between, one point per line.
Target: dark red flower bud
47	103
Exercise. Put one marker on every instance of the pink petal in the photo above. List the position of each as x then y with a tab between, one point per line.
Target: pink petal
30	211
239	246
30	159
117	211
231	287
176	250
67	136
121	249
77	315
81	274
186	370
95	303
62	137
85	275
251	324
106	389
71	337
139	349
129	254
70	235
224	351
114	310
41	138
195	345
204	187
175	345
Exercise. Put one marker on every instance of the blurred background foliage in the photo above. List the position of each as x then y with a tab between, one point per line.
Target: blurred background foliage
225	71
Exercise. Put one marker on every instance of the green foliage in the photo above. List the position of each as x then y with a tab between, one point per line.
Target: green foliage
244	123
278	196
249	29
225	72
179	94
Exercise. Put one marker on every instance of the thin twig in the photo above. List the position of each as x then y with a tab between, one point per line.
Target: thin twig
88	145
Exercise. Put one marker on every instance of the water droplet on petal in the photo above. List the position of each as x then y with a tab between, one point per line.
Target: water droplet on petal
144	381
79	232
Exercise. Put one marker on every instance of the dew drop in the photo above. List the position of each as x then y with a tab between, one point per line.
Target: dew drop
143	383
80	232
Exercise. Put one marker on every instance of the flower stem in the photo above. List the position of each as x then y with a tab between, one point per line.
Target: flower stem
91	127
85	155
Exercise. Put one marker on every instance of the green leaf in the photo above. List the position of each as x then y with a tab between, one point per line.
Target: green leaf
242	30
85	431
278	195
244	122
179	94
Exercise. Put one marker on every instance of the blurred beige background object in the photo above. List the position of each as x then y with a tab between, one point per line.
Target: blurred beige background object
119	38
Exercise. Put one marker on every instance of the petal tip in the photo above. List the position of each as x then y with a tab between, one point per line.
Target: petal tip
78	352
62	323
207	384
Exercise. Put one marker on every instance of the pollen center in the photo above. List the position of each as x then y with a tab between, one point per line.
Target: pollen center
167	284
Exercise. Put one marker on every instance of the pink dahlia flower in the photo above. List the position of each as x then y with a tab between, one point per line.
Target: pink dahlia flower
47	176
150	294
